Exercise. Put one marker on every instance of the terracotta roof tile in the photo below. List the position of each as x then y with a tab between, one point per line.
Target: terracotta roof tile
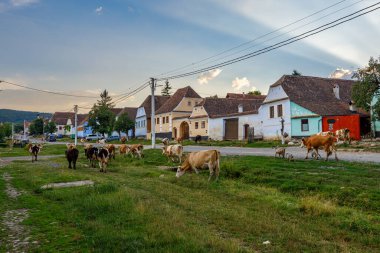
244	96
316	93
159	101
131	111
174	100
224	107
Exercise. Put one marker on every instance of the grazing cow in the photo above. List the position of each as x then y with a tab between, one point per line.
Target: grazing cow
343	135
280	152
136	150
173	151
316	142
165	141
123	139
91	154
197	160
198	138
34	149
111	150
103	156
72	154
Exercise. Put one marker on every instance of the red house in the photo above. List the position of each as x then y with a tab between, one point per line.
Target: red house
352	122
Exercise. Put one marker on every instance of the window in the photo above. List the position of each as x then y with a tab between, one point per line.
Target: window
304	125
167	119
196	125
158	120
203	124
279	110
163	120
271	112
189	103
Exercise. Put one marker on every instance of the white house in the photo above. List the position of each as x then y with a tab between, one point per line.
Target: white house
143	115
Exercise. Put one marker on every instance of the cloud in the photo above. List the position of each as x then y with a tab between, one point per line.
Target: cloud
204	78
99	10
239	83
18	3
342	73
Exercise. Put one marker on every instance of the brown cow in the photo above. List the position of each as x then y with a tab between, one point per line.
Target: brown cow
123	139
316	141
136	150
123	149
111	150
34	149
197	160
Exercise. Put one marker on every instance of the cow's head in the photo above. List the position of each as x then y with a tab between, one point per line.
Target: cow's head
180	172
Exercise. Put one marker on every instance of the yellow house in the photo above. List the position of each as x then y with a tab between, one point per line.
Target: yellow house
172	118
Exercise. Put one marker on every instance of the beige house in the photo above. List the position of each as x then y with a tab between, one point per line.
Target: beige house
225	118
172	118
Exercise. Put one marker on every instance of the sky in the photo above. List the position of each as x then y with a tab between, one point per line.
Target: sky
82	47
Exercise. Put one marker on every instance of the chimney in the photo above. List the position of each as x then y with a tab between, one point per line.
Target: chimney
240	108
352	106
336	91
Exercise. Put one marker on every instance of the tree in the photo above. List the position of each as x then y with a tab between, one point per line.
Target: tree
18	127
367	86
37	126
5	131
101	118
50	127
124	124
166	91
255	92
296	73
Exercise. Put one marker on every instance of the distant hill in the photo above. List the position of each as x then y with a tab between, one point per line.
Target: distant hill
15	116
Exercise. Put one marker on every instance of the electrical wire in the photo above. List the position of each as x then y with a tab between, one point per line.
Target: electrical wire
253	40
280	44
46	91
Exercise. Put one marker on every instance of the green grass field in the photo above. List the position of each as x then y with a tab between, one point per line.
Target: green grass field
301	206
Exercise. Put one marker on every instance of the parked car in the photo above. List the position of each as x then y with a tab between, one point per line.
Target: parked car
112	138
51	138
94	137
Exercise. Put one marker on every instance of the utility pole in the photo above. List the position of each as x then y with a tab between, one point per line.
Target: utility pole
152	117
76	124
13	133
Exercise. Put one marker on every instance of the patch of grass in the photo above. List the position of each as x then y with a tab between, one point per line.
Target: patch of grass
305	206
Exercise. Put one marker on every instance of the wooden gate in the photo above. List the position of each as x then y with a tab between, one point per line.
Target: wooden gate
231	129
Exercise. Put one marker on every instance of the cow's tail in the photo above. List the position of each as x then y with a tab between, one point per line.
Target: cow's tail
217	163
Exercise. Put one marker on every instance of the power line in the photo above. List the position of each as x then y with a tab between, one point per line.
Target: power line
280	44
280	35
253	40
46	91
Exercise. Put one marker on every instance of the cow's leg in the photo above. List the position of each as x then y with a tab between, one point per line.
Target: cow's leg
75	164
69	164
307	154
211	173
195	169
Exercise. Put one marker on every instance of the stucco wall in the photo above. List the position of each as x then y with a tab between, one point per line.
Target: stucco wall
200	131
141	126
298	113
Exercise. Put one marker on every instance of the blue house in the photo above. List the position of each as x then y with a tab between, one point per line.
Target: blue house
375	123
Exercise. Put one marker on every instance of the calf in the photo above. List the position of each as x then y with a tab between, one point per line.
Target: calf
123	149
111	150
290	157
72	154
197	160
280	152
103	157
343	135
123	139
316	142
34	149
173	151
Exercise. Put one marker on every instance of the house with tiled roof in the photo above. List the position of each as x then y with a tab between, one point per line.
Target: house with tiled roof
143	115
309	105
64	122
225	118
172	118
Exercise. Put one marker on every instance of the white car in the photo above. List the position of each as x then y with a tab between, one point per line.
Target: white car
94	137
